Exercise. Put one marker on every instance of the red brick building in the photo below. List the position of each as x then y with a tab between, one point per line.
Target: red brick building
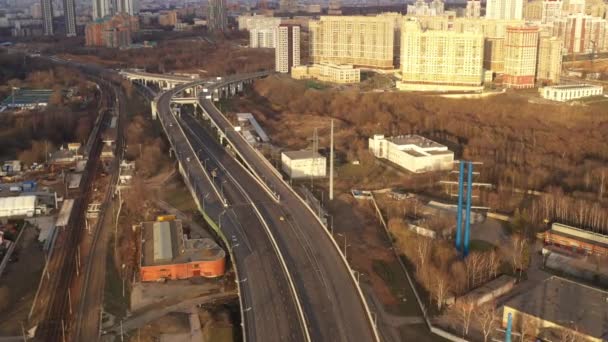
576	239
521	49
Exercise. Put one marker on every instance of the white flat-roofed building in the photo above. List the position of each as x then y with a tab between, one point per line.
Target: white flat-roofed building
19	206
327	72
301	164
412	152
569	92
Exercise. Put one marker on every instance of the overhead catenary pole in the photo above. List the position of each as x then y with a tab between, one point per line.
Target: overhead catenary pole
331	162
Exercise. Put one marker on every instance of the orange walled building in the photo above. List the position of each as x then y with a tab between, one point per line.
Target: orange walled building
577	240
167	254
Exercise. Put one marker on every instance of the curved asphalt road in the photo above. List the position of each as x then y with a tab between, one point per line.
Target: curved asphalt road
331	302
270	312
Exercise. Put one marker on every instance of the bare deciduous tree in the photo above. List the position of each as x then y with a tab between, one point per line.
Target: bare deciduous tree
487	318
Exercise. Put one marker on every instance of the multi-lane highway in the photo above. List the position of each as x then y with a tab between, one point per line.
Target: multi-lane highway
333	306
269	308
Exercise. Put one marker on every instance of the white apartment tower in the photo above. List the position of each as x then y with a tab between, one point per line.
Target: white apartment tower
101	8
217	19
473	9
287	51
69	10
357	40
504	9
440	58
130	7
549	65
574	7
551	10
47	17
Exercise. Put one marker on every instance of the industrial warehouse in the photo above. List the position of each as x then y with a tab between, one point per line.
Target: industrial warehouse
560	307
168	254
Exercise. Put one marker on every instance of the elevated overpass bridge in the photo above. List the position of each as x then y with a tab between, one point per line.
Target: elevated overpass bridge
162	81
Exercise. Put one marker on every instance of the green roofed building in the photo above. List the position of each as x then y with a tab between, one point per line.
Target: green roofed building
28	98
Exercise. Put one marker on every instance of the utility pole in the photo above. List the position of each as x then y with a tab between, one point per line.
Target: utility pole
331	162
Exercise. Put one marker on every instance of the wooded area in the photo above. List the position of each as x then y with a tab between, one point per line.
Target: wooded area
62	121
223	57
559	150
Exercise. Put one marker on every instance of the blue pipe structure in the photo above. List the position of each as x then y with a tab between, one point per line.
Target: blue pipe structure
509	325
459	212
467	222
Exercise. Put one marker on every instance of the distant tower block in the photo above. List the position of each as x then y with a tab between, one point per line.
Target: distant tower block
335	7
288	6
473	9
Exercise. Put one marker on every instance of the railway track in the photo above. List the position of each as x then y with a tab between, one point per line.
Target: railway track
56	322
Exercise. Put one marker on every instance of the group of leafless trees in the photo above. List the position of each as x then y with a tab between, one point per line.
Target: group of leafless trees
32	134
192	54
580	212
523	146
439	269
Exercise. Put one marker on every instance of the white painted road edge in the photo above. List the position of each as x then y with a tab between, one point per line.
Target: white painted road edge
362	297
273	241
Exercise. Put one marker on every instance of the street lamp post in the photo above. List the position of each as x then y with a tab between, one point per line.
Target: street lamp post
13	95
219	219
345	245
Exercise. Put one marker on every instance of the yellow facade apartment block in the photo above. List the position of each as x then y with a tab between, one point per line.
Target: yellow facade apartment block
444	58
549	65
360	41
342	74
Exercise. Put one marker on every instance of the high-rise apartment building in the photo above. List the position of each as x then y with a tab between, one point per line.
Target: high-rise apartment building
549	66
69	14
574	7
551	10
261	30
112	32
494	54
438	60
248	22
216	17
335	7
101	9
130	7
596	8
360	41
262	38
36	10
167	18
504	9
422	8
288	5
581	33
521	48
287	51
473	9
47	17
533	10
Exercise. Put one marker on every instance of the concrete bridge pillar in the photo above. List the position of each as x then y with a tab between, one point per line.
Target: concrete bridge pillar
153	109
239	86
